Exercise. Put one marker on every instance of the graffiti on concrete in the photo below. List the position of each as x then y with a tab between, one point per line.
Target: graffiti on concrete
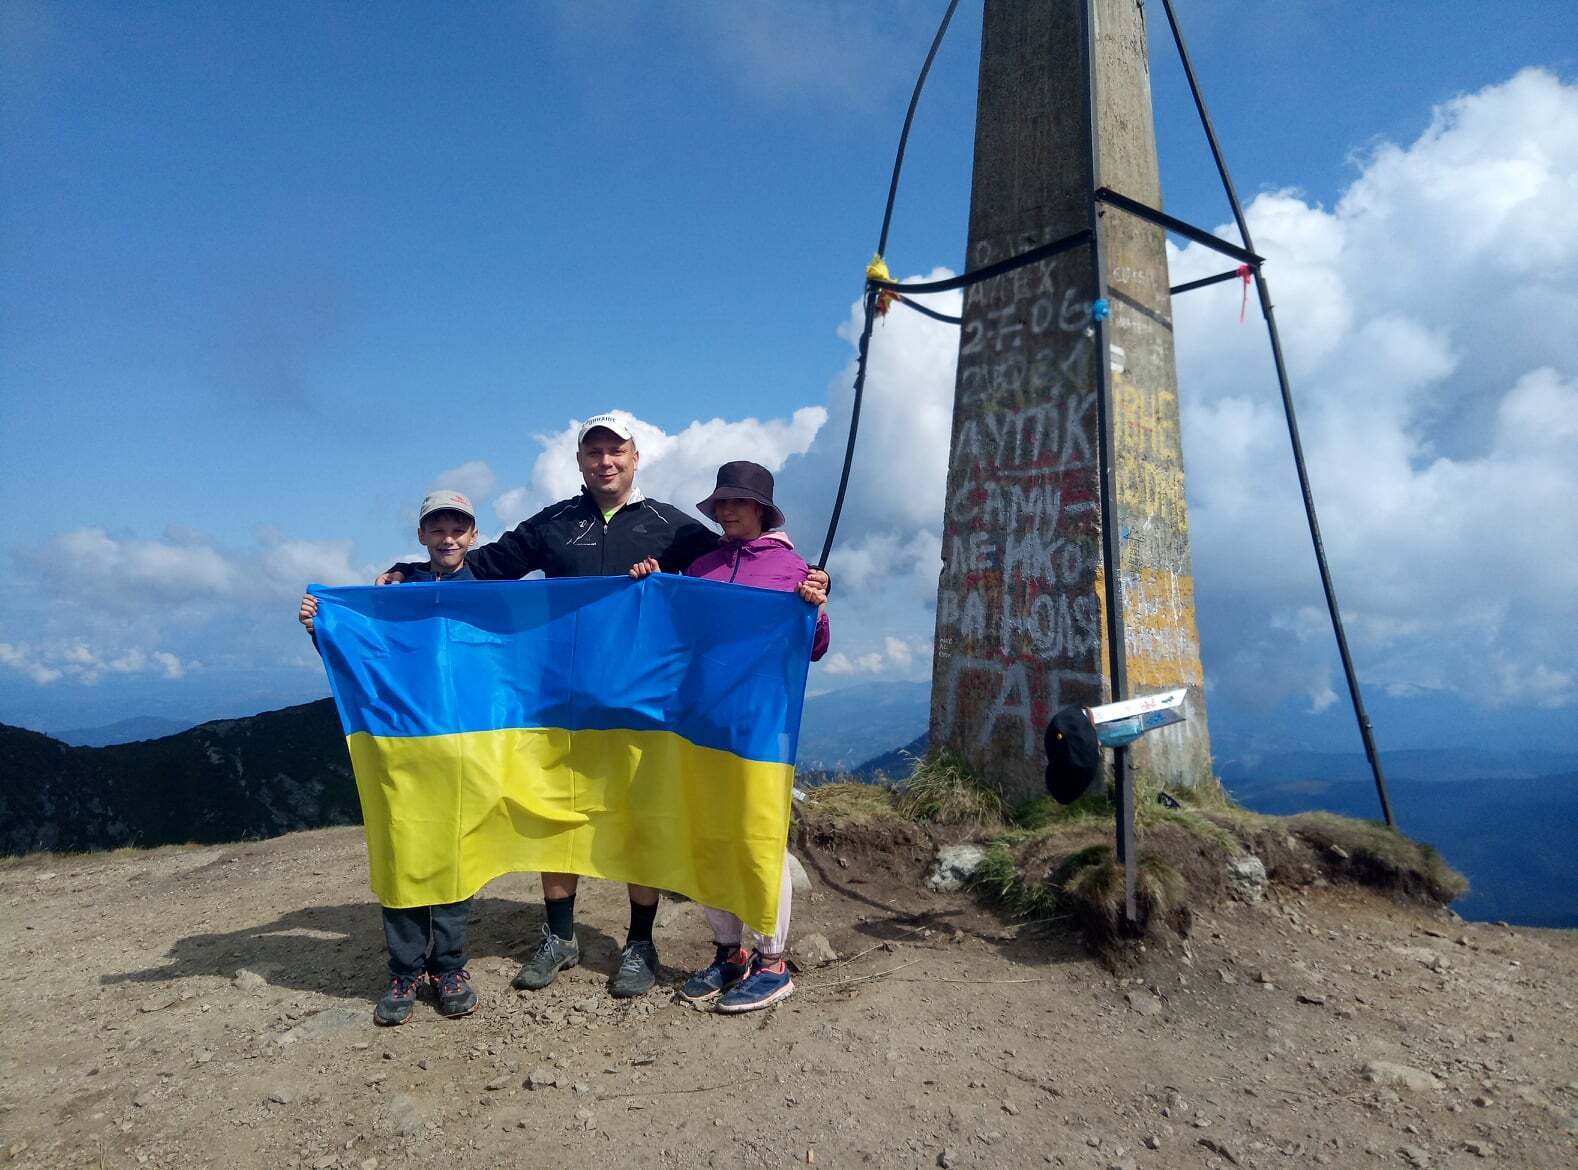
1018	619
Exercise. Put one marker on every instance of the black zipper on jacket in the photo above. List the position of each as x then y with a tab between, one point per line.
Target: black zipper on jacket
738	553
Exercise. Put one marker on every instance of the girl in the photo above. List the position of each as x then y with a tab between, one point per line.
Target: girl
754	552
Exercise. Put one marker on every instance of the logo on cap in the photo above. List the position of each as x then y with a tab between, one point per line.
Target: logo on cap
445	500
608	421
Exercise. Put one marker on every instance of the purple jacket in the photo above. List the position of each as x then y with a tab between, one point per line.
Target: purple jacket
768	562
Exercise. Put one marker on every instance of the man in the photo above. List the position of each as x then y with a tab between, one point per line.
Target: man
601	532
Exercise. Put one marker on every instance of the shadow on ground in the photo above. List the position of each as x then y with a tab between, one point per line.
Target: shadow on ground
339	950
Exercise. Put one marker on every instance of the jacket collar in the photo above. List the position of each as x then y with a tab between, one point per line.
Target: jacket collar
635	497
777	538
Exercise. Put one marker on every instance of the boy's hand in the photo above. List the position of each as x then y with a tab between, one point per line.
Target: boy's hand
645	568
390	578
819	580
308	611
811	592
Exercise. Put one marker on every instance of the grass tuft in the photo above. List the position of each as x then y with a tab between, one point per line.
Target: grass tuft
1002	879
853	802
1372	854
1046	860
1063	872
1093	892
942	791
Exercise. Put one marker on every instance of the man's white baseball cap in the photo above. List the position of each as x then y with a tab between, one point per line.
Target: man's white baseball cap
445	500
608	421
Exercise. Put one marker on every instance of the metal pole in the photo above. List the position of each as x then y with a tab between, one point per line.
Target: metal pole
1365	729
1111	547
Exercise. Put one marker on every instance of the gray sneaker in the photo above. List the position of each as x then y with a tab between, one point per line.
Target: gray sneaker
638	964
553	954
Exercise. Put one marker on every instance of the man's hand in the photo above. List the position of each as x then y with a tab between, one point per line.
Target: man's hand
645	568
308	611
389	578
818	579
811	592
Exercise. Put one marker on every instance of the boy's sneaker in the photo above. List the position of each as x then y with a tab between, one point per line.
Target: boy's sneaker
764	986
554	954
395	1007
717	977
455	994
638	964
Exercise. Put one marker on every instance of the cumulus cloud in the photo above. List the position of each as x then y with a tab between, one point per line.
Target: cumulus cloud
472	478
107	606
896	657
25	660
1430	325
75	661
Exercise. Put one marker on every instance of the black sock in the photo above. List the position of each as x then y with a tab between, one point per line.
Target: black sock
561	916
641	919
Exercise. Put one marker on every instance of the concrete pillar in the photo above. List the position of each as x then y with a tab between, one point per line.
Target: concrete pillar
1020	625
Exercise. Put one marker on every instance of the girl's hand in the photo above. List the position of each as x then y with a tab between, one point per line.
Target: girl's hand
308	611
645	568
811	593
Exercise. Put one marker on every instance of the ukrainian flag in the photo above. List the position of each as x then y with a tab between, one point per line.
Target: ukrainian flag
643	731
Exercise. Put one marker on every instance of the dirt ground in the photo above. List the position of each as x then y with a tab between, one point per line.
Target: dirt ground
212	1007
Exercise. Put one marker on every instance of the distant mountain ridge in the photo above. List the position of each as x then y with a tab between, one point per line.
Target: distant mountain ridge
133	730
228	780
1438	764
841	730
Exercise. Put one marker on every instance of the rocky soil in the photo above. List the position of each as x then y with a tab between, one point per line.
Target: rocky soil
212	1007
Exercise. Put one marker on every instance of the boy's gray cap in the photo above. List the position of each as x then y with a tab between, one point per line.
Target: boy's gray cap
608	421
445	500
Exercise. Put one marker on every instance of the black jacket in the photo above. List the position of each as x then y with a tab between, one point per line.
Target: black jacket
569	539
417	573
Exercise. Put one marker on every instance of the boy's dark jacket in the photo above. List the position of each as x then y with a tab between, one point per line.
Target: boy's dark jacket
569	539
415	573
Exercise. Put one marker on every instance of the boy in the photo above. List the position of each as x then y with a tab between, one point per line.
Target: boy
427	944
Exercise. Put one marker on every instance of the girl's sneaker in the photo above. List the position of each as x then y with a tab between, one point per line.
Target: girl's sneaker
718	976
767	983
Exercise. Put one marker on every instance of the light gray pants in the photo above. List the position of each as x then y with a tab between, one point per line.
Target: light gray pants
729	931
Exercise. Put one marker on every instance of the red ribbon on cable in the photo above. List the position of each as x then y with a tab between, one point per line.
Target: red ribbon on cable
1244	275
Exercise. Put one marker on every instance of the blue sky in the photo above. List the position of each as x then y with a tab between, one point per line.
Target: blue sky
270	272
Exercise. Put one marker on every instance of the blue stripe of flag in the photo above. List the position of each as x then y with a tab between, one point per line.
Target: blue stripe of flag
722	665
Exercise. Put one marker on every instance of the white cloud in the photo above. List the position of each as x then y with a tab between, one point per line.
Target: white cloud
900	471
472	478
513	506
109	607
1431	322
895	657
24	660
98	563
75	661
